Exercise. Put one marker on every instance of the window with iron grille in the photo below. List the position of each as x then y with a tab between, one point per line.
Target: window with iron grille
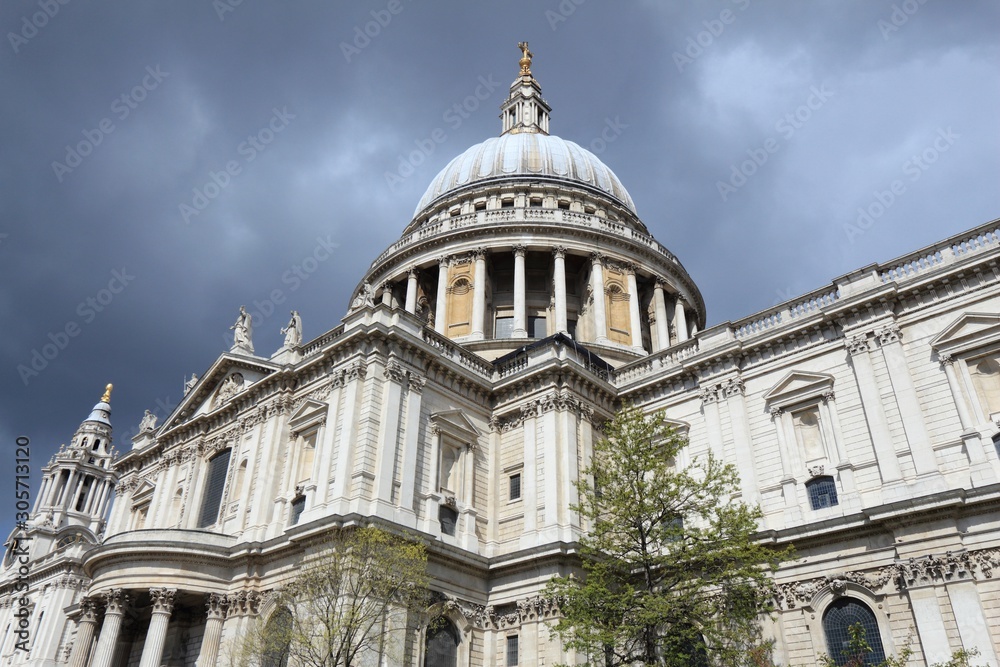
515	486
838	619
511	650
218	466
822	492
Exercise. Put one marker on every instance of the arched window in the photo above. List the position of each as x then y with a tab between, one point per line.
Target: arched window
277	639
215	484
441	649
837	621
822	492
986	377
176	503
617	309
460	306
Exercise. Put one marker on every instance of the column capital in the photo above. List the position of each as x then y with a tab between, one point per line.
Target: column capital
163	600
559	252
630	268
709	394
597	258
519	250
856	344
889	334
116	601
828	396
444	260
776	412
659	283
217	606
412	272
88	610
394	371
416	382
946	359
478	253
734	386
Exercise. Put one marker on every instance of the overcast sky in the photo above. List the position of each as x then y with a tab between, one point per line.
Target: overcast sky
127	247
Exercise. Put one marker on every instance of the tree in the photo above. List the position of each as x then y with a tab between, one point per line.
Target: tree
352	603
672	574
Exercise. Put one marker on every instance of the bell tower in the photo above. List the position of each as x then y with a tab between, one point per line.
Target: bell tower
524	111
78	483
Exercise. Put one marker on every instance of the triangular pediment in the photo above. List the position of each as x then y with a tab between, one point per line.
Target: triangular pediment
307	415
229	376
798	386
143	491
968	332
455	422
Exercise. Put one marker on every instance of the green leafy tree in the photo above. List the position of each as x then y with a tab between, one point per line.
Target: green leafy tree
672	574
350	605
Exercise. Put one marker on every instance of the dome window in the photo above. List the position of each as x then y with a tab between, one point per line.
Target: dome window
507	202
563	205
536	202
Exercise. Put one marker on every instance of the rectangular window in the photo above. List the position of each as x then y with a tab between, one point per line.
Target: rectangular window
298	505
504	327
537	327
511	650
215	484
515	486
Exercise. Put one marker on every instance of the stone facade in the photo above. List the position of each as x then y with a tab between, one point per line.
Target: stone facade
460	398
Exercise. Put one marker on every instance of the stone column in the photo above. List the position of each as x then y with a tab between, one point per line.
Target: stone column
385	456
597	294
115	602
964	416
559	288
479	295
974	629
660	310
871	400
633	308
441	307
733	389
354	380
520	314
924	460
713	422
210	642
85	628
529	480
411	443
387	294
163	606
411	290
830	422
982	472
680	320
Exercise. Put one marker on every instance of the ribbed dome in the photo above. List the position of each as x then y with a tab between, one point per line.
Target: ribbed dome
526	154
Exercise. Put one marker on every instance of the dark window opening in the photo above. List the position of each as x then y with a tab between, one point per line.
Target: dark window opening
449	520
298	506
537	327
442	644
822	492
218	467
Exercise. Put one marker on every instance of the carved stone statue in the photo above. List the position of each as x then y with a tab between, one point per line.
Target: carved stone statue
243	331
189	385
526	57
293	332
365	297
148	422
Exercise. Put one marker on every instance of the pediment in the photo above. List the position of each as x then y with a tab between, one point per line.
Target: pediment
968	332
679	427
310	413
229	377
798	386
456	423
143	491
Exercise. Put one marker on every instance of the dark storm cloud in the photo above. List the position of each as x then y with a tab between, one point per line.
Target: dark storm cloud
181	102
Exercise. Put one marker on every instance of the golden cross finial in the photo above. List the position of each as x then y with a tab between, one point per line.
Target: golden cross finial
525	61
107	393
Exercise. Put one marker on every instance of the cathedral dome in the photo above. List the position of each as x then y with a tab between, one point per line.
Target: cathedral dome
535	155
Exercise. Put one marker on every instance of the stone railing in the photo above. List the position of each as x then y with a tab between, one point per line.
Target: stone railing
447	348
318	344
785	313
508	217
957	248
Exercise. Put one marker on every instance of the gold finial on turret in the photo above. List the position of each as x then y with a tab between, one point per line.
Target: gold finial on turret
107	393
525	61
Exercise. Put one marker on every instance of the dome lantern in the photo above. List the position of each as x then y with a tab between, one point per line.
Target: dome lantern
524	111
